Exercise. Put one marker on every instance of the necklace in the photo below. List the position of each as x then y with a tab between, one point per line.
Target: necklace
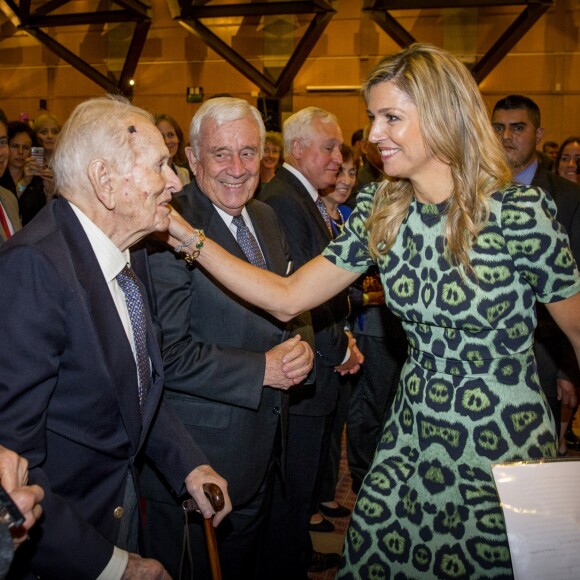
340	220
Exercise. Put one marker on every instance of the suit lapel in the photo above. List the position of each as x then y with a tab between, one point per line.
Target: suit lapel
306	198
197	209
275	259
540	179
120	364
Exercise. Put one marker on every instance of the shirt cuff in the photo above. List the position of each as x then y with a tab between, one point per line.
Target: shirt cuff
115	569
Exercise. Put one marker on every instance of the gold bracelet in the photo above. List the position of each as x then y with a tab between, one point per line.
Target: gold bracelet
198	235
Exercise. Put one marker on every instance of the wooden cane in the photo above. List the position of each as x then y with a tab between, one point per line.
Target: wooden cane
215	497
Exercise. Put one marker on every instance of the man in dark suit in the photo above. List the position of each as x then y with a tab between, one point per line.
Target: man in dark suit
227	364
80	369
517	123
312	140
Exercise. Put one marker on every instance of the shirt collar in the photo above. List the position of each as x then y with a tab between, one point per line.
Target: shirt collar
525	177
312	191
110	258
229	218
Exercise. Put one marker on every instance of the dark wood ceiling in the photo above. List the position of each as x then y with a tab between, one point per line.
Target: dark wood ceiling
53	14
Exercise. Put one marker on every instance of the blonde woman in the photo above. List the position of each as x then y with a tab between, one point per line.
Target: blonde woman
463	256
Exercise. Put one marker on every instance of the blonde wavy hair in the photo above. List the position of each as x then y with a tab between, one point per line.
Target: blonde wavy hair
456	130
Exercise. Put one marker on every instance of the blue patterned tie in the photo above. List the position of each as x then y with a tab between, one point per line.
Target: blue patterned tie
248	243
324	212
134	299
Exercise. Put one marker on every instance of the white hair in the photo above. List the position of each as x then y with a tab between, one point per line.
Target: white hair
222	110
96	129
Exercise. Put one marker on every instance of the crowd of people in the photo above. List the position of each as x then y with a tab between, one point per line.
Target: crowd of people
216	308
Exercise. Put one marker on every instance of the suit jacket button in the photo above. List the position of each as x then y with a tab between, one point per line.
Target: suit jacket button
276	410
119	512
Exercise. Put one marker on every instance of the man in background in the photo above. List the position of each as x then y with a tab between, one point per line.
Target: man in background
312	139
550	148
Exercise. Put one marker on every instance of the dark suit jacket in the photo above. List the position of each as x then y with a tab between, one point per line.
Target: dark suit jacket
307	236
68	388
214	348
553	352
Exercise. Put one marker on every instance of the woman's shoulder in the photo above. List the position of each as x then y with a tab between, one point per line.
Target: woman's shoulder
518	192
516	201
366	195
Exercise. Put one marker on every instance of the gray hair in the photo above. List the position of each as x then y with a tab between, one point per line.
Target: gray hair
96	129
298	125
222	110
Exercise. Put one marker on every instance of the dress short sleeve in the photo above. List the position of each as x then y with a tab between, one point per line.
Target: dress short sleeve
349	250
538	243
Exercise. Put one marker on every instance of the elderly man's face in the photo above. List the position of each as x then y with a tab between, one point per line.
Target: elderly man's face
146	190
318	157
228	170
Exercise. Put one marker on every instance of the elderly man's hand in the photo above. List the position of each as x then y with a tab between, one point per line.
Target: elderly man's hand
14	477
27	499
288	363
13	469
144	569
194	483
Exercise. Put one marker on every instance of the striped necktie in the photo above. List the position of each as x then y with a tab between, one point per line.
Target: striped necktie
248	243
128	283
324	212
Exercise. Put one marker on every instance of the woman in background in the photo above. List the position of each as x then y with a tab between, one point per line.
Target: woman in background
273	156
335	197
173	137
568	160
46	128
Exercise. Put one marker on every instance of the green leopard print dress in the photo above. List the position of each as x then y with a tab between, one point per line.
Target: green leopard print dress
469	394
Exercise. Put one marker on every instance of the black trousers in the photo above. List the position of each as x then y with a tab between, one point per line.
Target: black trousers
287	546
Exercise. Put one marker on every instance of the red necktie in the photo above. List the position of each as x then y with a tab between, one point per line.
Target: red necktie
4	222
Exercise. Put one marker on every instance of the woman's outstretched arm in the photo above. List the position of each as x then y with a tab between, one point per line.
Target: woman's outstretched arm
311	285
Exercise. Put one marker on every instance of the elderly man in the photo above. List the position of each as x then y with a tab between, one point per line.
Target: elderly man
80	370
312	139
227	365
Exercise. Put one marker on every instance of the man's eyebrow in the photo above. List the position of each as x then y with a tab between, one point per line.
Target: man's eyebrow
220	148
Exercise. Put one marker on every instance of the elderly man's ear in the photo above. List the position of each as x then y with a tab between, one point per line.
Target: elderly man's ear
101	179
191	158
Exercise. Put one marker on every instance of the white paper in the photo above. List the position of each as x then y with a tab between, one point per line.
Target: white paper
541	507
